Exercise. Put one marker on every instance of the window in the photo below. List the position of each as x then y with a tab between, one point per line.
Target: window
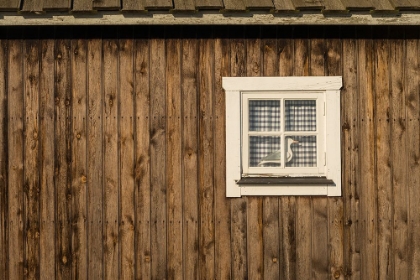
283	136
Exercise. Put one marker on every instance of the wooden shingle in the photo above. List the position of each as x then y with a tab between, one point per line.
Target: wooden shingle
284	5
209	4
56	5
406	4
261	4
358	4
9	5
309	4
184	5
133	5
158	4
234	5
106	4
82	5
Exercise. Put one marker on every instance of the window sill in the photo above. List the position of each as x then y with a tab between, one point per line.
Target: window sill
285	181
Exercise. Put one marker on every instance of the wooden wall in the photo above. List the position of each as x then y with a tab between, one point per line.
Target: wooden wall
112	155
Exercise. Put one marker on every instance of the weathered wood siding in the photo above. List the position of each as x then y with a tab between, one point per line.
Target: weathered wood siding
112	155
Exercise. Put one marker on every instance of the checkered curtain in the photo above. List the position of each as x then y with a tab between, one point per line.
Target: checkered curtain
303	153
264	151
300	115
265	115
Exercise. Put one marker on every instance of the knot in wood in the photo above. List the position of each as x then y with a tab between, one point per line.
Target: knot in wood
337	274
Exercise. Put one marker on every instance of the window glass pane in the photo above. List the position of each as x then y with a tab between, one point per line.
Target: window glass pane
300	151
264	151
264	115
300	115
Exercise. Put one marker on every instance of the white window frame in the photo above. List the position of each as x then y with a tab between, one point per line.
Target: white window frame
329	87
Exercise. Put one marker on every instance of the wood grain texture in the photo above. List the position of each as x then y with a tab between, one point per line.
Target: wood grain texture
208	4
10	5
15	164
320	224
79	238
413	148
270	207
158	4
106	5
367	157
184	5
334	67
175	197
111	157
82	6
31	152
206	155
47	164
303	204
126	143
94	161
3	160
54	5
132	131
383	155
142	68
133	5
189	91
255	241
287	205
222	204
239	206
158	157
399	154
63	120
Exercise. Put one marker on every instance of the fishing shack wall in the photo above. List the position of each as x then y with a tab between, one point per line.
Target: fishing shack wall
112	155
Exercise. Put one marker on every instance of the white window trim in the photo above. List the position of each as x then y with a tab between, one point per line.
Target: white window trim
235	86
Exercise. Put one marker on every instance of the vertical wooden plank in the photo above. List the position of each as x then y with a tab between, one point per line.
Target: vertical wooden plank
333	67
412	64
158	153
126	131
173	159
320	257
271	207
350	141
222	204
239	207
16	153
3	160
79	153
94	160
142	156
304	213
189	93
254	67
206	156
383	153
366	166
31	152
111	156
62	156
47	163
399	152
287	205
412	89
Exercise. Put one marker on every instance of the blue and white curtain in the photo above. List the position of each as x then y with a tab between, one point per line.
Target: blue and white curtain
265	115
